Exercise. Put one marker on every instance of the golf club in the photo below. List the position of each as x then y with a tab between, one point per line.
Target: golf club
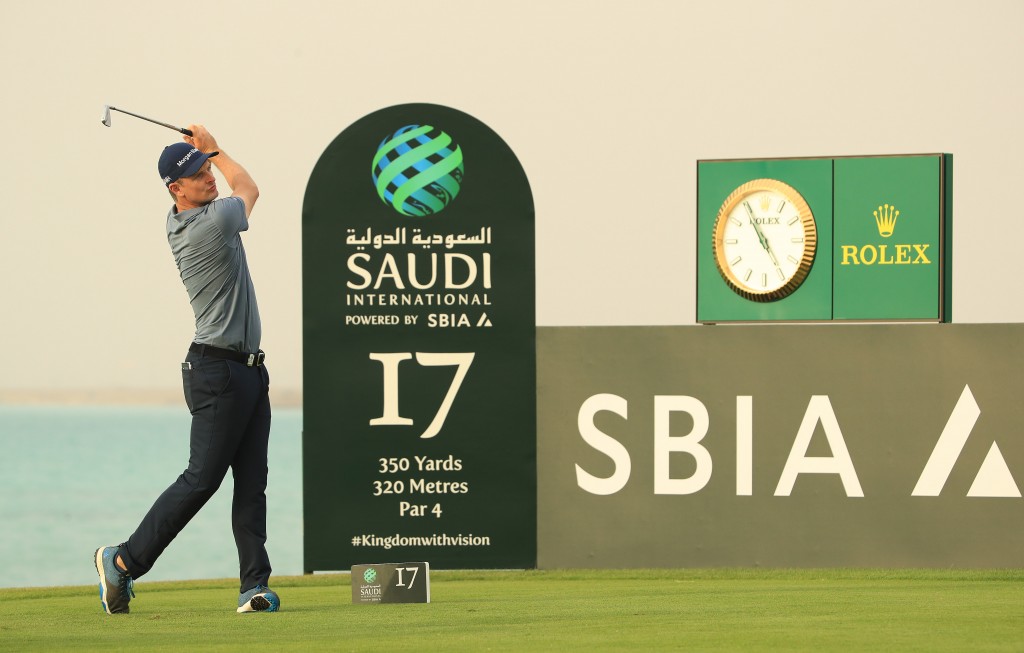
106	120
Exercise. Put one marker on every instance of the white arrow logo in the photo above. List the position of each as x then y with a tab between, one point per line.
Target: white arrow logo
993	479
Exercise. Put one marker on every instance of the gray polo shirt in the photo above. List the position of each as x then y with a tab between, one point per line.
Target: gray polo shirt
207	247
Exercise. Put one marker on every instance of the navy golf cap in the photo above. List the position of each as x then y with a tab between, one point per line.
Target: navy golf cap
181	160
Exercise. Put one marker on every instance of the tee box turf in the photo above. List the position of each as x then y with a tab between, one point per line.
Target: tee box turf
398	582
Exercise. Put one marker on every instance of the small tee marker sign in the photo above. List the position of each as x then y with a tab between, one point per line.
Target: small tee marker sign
399	582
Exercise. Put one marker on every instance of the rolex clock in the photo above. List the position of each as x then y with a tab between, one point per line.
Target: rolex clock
764	240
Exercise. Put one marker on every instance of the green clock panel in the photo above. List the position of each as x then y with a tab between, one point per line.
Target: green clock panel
812	300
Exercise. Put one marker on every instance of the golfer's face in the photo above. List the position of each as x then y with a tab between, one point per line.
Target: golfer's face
200	188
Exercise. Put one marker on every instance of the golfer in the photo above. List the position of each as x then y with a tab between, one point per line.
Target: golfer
224	378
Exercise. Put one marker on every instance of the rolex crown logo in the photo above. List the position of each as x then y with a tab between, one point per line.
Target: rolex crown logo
765	202
885	218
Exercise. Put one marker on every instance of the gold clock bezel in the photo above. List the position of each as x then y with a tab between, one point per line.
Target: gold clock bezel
810	239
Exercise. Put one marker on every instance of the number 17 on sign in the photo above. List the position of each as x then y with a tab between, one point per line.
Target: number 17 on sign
390	362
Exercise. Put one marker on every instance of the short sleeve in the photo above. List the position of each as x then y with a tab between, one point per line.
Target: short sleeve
229	215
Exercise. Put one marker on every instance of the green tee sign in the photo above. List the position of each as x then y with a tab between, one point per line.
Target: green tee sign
419	435
402	582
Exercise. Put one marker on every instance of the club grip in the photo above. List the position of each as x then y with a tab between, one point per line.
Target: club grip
187	132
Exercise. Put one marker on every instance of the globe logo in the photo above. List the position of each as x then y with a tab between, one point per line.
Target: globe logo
418	170
370	575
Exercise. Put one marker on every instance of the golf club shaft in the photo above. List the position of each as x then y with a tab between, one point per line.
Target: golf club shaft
157	122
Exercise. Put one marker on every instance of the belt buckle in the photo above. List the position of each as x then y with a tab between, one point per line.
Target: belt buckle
256	360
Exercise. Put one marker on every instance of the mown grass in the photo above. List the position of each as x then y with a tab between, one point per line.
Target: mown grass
578	610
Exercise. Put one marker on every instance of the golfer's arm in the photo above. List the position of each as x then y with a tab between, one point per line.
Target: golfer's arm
238	179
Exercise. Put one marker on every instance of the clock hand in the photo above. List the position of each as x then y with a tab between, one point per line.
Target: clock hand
760	235
768	248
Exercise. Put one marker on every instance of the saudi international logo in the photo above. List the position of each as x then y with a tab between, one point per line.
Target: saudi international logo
370	575
418	170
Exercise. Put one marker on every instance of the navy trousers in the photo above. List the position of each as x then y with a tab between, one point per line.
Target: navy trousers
230	410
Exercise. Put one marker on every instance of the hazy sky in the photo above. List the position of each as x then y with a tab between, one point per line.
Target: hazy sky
608	106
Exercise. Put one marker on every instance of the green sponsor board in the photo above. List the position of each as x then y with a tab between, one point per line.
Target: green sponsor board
882	239
419	434
716	301
893	445
889	238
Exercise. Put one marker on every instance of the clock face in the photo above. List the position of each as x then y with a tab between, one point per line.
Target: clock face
764	240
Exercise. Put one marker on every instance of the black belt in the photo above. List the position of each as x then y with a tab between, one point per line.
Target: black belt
251	360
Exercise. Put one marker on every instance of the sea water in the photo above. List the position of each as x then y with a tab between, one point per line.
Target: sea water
73	479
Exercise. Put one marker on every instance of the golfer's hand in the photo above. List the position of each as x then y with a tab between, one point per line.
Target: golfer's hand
201	139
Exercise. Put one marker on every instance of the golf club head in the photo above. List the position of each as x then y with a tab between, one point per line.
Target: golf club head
106	119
